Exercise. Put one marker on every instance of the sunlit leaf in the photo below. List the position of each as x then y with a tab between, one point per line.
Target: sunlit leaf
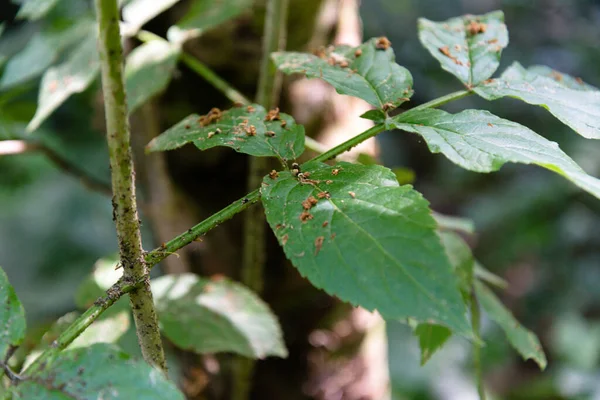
12	317
107	329
468	47
522	339
579	109
100	371
251	130
41	51
35	9
368	72
137	12
431	338
480	141
207	14
209	316
148	71
355	233
60	82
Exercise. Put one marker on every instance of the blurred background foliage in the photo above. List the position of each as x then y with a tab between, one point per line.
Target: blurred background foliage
534	229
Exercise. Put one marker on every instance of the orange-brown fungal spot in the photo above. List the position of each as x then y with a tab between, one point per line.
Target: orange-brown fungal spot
284	239
269	133
319	244
320	52
383	43
445	51
329	181
490	125
475	27
323	195
352	194
358	53
325	224
335	171
251	130
272	115
250	109
305	216
273	174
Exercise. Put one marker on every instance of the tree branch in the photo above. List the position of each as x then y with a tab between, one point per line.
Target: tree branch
122	174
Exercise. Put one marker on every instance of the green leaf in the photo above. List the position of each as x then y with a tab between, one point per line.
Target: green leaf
209	316
100	371
452	223
482	142
12	317
469	47
354	232
244	129
460	256
373	76
431	338
41	51
106	329
148	71
207	14
561	78
522	339
35	9
137	12
578	109
60	82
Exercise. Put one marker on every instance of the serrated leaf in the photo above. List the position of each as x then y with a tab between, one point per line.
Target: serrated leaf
469	47
522	339
35	9
137	12
12	317
561	78
431	338
207	14
482	142
243	129
578	109
41	51
209	316
148	71
373	76
100	371
371	243
60	82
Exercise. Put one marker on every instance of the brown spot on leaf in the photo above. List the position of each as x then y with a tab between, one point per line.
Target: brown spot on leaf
358	53
273	174
335	171
475	27
352	194
319	244
325	224
272	115
490	125
187	126
283	123
284	239
579	80
269	133
383	43
323	195
250	109
251	130
343	64
210	134
329	181
445	51
388	106
305	216
320	52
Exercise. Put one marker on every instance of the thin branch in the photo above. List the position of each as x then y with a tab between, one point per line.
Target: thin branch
155	256
476	322
124	202
12	147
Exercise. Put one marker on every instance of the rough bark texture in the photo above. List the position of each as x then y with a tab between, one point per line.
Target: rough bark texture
122	174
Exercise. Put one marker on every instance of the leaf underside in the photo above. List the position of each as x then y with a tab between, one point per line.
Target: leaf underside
371	243
244	129
574	103
482	142
468	47
367	72
207	14
522	339
233	319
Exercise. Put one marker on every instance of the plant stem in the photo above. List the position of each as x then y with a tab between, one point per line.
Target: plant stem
212	78
476	322
254	255
440	101
122	174
157	255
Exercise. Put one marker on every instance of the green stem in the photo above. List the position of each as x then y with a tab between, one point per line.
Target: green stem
254	255
155	256
122	175
201	69
440	101
476	322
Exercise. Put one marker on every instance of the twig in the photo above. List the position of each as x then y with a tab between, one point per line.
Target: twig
11	147
124	202
476	322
